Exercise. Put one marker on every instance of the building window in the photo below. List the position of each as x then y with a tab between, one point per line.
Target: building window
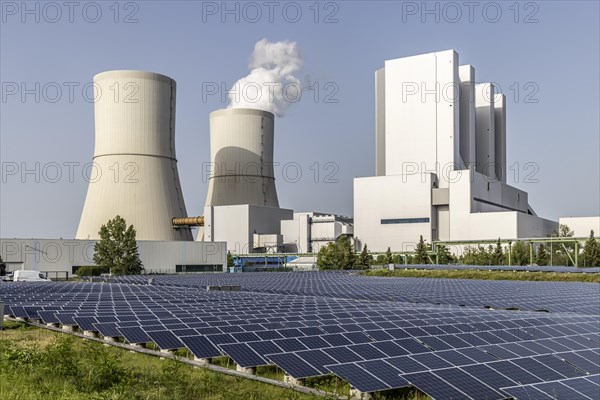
198	268
404	221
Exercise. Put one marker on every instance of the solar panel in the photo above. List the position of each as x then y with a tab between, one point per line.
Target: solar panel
412	346
313	342
294	366
488	375
86	323
108	329
453	357
166	340
514	372
367	351
289	345
243	355
406	364
527	393
538	369
468	384
200	346
134	335
434	386
359	378
583	386
559	366
431	361
221	338
577	359
264	348
557	390
317	359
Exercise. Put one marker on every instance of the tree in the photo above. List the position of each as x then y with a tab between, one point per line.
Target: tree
520	253
346	250
389	258
364	259
230	261
444	256
380	259
2	267
590	257
337	255
497	255
563	253
117	248
421	252
541	256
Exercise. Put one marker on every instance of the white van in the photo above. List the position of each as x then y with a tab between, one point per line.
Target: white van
22	275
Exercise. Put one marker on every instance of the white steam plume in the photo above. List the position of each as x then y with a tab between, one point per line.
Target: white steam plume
271	84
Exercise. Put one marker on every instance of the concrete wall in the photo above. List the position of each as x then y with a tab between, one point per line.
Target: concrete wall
500	136
237	224
52	255
484	127
385	197
467	114
380	122
533	226
296	233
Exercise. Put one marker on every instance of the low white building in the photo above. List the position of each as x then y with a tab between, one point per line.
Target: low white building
440	161
59	256
309	231
246	228
581	226
258	229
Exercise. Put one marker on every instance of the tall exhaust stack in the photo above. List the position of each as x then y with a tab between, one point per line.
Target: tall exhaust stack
241	151
134	172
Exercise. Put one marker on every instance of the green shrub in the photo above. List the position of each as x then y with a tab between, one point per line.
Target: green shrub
102	371
21	357
60	357
90	270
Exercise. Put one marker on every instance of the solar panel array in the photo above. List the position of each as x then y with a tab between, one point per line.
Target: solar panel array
522	295
369	331
529	268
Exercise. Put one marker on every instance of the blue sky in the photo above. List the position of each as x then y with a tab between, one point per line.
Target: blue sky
548	50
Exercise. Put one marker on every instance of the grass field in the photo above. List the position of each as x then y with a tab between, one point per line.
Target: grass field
41	364
493	275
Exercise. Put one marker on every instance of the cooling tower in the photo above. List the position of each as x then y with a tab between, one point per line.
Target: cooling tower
134	171
241	150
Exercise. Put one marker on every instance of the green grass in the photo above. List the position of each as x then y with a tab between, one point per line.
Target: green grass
38	363
493	275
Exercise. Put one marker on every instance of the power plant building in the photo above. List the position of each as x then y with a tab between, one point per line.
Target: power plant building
134	175
241	206
440	160
134	171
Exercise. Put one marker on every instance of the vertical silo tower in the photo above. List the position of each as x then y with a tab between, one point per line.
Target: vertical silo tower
134	172
241	151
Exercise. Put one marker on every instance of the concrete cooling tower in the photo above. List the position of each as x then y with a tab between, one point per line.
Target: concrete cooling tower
134	173
241	151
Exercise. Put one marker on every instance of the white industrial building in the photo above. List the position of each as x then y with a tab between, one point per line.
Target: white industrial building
307	232
56	257
241	206
440	160
581	226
